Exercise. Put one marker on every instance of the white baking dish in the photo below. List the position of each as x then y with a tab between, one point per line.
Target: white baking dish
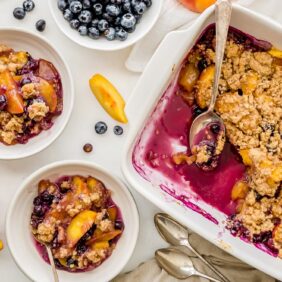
152	84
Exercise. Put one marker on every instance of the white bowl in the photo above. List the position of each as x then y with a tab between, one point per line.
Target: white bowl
147	22
165	63
39	47
20	240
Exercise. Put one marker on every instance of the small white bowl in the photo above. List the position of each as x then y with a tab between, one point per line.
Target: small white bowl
20	240
147	22
39	47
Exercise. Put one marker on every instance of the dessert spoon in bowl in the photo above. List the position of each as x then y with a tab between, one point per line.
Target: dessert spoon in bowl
223	10
177	235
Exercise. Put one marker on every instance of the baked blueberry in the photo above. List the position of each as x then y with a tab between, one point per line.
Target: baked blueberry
93	32
28	5
101	127
40	25
74	23
110	34
103	25
128	21
82	30
3	102
118	130
76	7
68	15
19	13
62	5
121	34
85	17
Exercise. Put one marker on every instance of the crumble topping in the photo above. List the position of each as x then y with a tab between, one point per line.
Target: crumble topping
37	111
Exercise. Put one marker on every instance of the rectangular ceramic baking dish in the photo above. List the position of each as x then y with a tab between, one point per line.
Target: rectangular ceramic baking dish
155	79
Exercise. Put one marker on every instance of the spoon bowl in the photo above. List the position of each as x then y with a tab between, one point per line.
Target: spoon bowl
178	264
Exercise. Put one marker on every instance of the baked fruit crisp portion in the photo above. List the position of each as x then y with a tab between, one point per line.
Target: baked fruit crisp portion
250	104
30	96
76	216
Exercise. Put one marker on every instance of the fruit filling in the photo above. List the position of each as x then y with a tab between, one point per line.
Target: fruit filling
77	218
30	96
246	182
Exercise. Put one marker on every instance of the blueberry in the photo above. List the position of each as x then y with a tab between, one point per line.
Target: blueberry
3	102
197	111
113	10
28	5
117	2
93	32
110	34
138	18
117	21
85	17
47	198
128	21
40	25
19	13
82	30
107	17
39	210
71	262
70	1
103	25
119	225
98	9
215	128
94	23
25	80
81	248
37	201
140	8
68	15
76	7
240	92
118	130
101	127
62	5
121	34
202	64
148	3
131	29
74	23
86	4
127	7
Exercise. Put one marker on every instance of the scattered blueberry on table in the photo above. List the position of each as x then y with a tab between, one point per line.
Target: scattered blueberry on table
118	130
19	13
101	127
40	25
112	19
28	5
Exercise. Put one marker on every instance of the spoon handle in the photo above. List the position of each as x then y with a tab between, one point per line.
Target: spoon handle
51	259
218	273
223	9
206	276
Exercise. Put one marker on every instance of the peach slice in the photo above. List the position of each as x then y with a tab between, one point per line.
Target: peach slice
46	70
100	236
100	245
239	190
274	52
109	97
246	157
249	84
112	212
48	93
79	185
79	225
91	183
188	77
197	5
15	103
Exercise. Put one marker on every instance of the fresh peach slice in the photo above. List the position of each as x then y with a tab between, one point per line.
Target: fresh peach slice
79	226
109	97
112	212
48	93
15	103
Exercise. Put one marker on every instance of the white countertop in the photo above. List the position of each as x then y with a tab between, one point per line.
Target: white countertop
80	130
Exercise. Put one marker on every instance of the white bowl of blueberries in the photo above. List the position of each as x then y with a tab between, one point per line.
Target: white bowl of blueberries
106	25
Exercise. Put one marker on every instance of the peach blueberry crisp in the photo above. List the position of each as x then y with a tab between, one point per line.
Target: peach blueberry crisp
250	104
77	218
30	96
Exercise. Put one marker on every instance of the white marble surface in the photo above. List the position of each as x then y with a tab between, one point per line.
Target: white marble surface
107	148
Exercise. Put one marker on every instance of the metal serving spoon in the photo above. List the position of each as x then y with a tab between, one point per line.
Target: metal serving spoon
223	9
51	259
177	235
178	264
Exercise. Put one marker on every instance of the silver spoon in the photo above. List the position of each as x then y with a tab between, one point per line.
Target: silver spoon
177	235
223	9
178	264
51	259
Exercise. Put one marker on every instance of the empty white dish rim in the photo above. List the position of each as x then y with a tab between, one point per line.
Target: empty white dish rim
149	89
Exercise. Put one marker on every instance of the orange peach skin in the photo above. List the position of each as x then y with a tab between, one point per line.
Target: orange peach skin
197	6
